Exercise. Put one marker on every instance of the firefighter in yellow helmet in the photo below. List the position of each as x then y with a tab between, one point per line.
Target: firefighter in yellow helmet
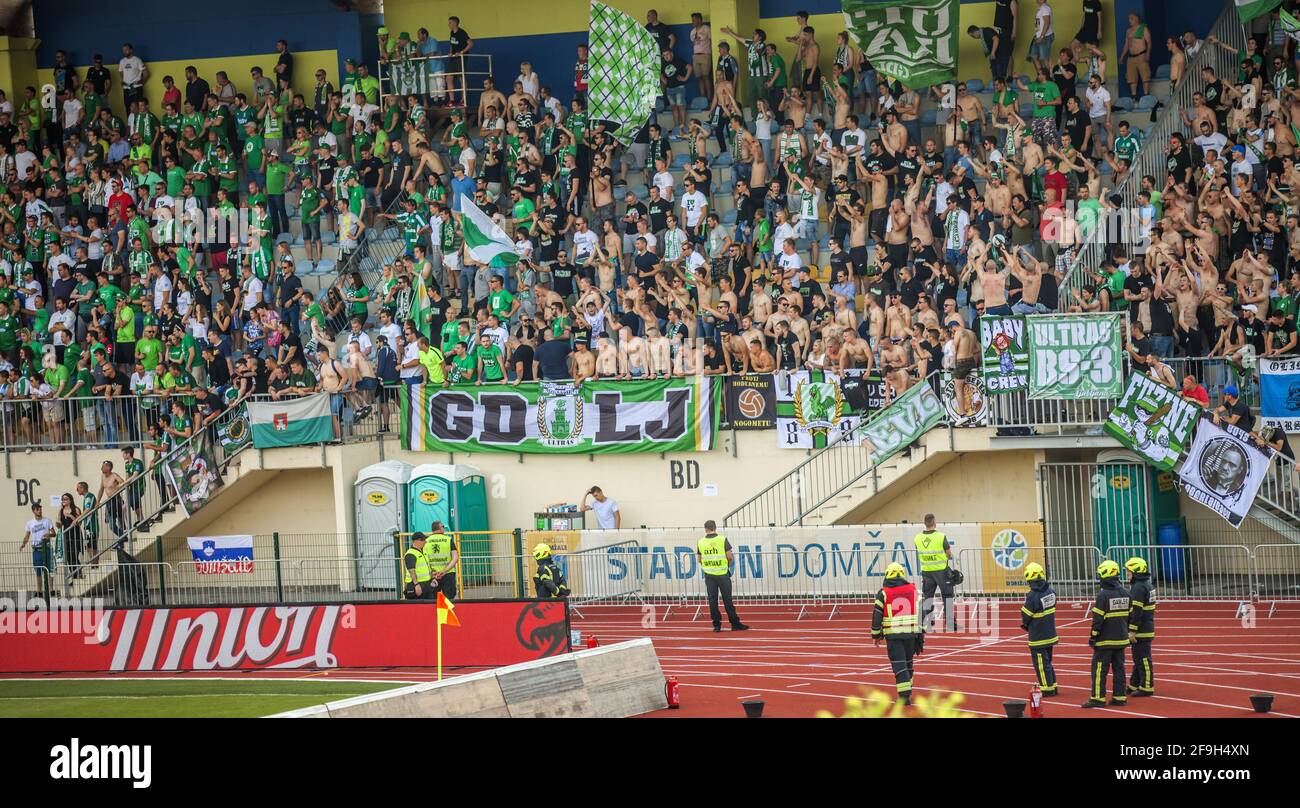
895	620
1109	638
417	578
1141	626
549	580
1038	617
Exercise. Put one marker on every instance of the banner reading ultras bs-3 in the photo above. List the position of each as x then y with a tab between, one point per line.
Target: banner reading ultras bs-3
660	415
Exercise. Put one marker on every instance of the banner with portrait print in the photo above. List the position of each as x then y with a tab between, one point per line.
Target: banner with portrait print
1224	469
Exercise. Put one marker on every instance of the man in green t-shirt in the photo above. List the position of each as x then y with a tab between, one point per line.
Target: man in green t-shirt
254	152
490	364
148	349
311	202
1047	99
464	365
501	303
277	176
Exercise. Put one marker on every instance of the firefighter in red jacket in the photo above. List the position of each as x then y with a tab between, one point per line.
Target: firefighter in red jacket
894	619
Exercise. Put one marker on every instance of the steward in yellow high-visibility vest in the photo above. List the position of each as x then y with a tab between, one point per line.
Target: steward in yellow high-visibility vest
440	551
894	620
417	578
715	557
1038	617
934	552
1109	638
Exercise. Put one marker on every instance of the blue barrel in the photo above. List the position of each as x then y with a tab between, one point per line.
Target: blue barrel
1173	558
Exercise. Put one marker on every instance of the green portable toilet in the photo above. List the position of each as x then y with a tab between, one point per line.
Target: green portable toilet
455	495
379	508
1121	504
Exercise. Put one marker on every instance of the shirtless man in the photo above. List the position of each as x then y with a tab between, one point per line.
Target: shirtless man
875	317
894	366
898	318
607	359
633	355
894	138
855	352
966	352
1030	276
661	361
760	306
898	238
997	196
109	482
925	314
994	285
921	215
584	362
757	358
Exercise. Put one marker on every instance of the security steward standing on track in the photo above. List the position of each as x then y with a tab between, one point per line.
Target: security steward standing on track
443	555
715	556
1038	617
1141	626
934	553
894	620
549	580
417	579
1109	637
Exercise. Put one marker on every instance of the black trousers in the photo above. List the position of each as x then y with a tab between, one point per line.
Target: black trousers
427	591
930	581
1043	670
1112	660
446	585
720	585
901	649
1144	676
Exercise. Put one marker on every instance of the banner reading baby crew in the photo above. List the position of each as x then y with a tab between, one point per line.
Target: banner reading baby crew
1279	382
1075	356
914	41
1153	420
660	415
1224	468
1006	359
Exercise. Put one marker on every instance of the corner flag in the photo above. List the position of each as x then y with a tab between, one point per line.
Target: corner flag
447	612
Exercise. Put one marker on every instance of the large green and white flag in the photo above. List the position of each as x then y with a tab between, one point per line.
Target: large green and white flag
624	65
894	428
1290	25
658	415
1248	10
914	41
292	422
484	237
1153	420
1006	359
1075	356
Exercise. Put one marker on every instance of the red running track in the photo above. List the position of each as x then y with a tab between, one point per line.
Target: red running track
1208	661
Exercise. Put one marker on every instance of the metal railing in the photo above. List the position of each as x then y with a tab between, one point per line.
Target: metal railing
441	78
1194	571
808	486
1150	158
79	423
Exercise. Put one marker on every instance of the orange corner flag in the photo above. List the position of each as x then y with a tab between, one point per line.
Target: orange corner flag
447	612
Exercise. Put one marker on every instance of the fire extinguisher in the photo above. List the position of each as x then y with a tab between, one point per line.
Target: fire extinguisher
592	642
670	692
1035	702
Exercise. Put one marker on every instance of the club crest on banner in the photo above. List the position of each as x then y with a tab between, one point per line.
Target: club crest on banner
976	411
559	415
818	406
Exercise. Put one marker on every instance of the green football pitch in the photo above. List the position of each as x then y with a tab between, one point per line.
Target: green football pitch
171	698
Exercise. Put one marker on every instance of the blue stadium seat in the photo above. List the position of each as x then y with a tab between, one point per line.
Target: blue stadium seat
699	104
728	217
392	234
681	160
974	85
302	267
328	237
1162	72
1146	103
284	238
326	266
1122	104
723	159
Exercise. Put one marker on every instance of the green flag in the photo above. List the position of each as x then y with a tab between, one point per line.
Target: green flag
484	238
624	67
1290	25
1153	420
914	41
1006	360
420	304
1075	356
905	420
292	422
1248	10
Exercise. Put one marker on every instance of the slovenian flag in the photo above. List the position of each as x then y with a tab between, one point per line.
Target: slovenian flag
484	237
221	554
447	612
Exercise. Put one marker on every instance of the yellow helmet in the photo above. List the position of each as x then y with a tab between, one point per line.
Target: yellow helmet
895	570
542	551
1135	565
1035	572
1107	569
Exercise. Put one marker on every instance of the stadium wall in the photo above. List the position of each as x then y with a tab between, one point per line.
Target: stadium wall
170	36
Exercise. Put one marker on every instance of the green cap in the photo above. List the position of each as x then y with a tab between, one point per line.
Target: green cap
382	31
404	35
350	62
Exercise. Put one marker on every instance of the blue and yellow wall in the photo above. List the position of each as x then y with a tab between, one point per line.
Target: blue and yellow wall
234	36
